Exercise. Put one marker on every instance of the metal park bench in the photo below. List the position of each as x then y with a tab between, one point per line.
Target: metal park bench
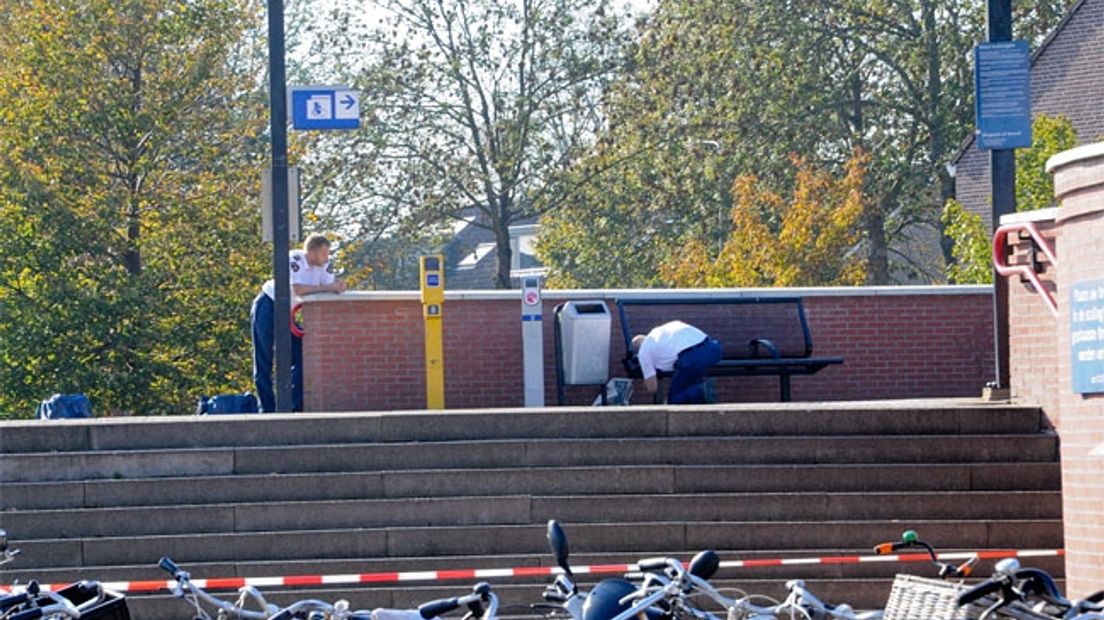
762	336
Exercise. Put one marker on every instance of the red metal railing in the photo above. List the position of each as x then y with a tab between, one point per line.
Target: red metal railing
1025	271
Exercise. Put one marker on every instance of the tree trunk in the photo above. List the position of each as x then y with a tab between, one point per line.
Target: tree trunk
938	141
504	252
874	222
132	254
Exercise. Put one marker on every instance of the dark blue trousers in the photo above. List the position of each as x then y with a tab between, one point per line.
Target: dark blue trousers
262	317
690	369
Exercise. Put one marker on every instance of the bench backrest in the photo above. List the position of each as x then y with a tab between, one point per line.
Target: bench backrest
734	321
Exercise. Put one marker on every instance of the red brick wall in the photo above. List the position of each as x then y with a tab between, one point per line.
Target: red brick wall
1080	186
365	351
1033	330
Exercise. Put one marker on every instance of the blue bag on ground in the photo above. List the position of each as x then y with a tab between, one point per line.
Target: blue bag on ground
61	406
227	403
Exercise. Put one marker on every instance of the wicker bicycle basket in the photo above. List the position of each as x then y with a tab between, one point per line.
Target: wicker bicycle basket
919	598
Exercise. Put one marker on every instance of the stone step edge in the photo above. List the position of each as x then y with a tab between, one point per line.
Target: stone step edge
979	495
916	524
535	440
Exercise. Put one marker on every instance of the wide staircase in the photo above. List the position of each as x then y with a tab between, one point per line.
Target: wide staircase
339	494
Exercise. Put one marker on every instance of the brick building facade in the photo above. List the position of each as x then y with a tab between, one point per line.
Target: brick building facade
1065	80
1041	349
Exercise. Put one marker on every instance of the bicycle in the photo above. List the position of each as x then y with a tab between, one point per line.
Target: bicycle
672	586
87	599
482	604
7	554
669	594
1017	586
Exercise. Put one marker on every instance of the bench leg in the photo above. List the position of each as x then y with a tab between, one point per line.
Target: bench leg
784	382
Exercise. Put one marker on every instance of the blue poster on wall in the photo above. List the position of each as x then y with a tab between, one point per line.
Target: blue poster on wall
1087	336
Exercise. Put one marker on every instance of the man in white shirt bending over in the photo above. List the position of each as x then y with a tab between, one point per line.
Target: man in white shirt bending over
684	349
311	273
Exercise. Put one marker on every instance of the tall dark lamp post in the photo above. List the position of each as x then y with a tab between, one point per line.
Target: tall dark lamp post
1002	169
278	105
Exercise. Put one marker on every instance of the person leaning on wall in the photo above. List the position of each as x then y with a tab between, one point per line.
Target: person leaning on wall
311	272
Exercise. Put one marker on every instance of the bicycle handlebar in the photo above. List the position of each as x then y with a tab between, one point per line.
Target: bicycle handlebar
439	607
1034	581
171	568
481	592
62	606
14	600
652	564
184	579
909	538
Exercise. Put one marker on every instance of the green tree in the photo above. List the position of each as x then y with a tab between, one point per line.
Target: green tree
1034	185
477	104
130	153
971	252
819	79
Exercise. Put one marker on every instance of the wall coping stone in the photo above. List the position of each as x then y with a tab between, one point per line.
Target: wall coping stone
1038	215
1075	172
1065	158
565	294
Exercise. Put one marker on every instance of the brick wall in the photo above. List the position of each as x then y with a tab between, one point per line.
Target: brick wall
1065	79
364	351
1079	183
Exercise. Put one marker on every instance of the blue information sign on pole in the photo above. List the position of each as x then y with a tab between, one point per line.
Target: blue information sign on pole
324	107
1087	336
1002	95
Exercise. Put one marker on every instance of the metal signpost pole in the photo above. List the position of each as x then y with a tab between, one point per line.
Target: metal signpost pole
1002	168
278	105
532	341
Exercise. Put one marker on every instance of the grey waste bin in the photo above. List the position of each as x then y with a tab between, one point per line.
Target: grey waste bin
585	334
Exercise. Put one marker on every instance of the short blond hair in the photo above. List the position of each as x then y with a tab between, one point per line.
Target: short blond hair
315	241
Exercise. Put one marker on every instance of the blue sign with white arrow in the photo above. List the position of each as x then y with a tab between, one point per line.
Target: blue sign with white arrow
324	107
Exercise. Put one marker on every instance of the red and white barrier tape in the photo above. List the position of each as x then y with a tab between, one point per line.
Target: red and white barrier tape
469	574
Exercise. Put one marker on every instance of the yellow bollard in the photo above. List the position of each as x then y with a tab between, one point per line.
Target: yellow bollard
433	303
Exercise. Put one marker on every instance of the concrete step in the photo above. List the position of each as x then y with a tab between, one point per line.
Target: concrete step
660	479
869	418
526	509
497	454
416	491
675	537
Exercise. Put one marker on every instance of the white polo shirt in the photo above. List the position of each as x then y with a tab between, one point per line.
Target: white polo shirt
302	272
662	345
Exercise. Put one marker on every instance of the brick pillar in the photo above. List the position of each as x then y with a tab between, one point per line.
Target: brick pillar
1079	186
1033	329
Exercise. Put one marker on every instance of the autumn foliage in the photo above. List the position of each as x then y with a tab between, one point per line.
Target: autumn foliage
809	239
